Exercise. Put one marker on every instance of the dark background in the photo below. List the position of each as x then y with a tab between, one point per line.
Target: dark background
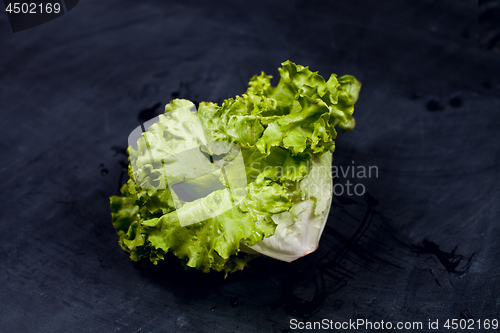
422	243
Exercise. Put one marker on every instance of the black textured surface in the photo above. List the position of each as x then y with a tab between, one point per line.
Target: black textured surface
422	244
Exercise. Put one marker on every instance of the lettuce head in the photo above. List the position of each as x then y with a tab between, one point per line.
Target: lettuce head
219	185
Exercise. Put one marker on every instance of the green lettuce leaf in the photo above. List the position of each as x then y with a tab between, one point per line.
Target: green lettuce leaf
203	245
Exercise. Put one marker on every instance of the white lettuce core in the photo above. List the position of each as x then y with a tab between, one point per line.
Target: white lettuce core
299	230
